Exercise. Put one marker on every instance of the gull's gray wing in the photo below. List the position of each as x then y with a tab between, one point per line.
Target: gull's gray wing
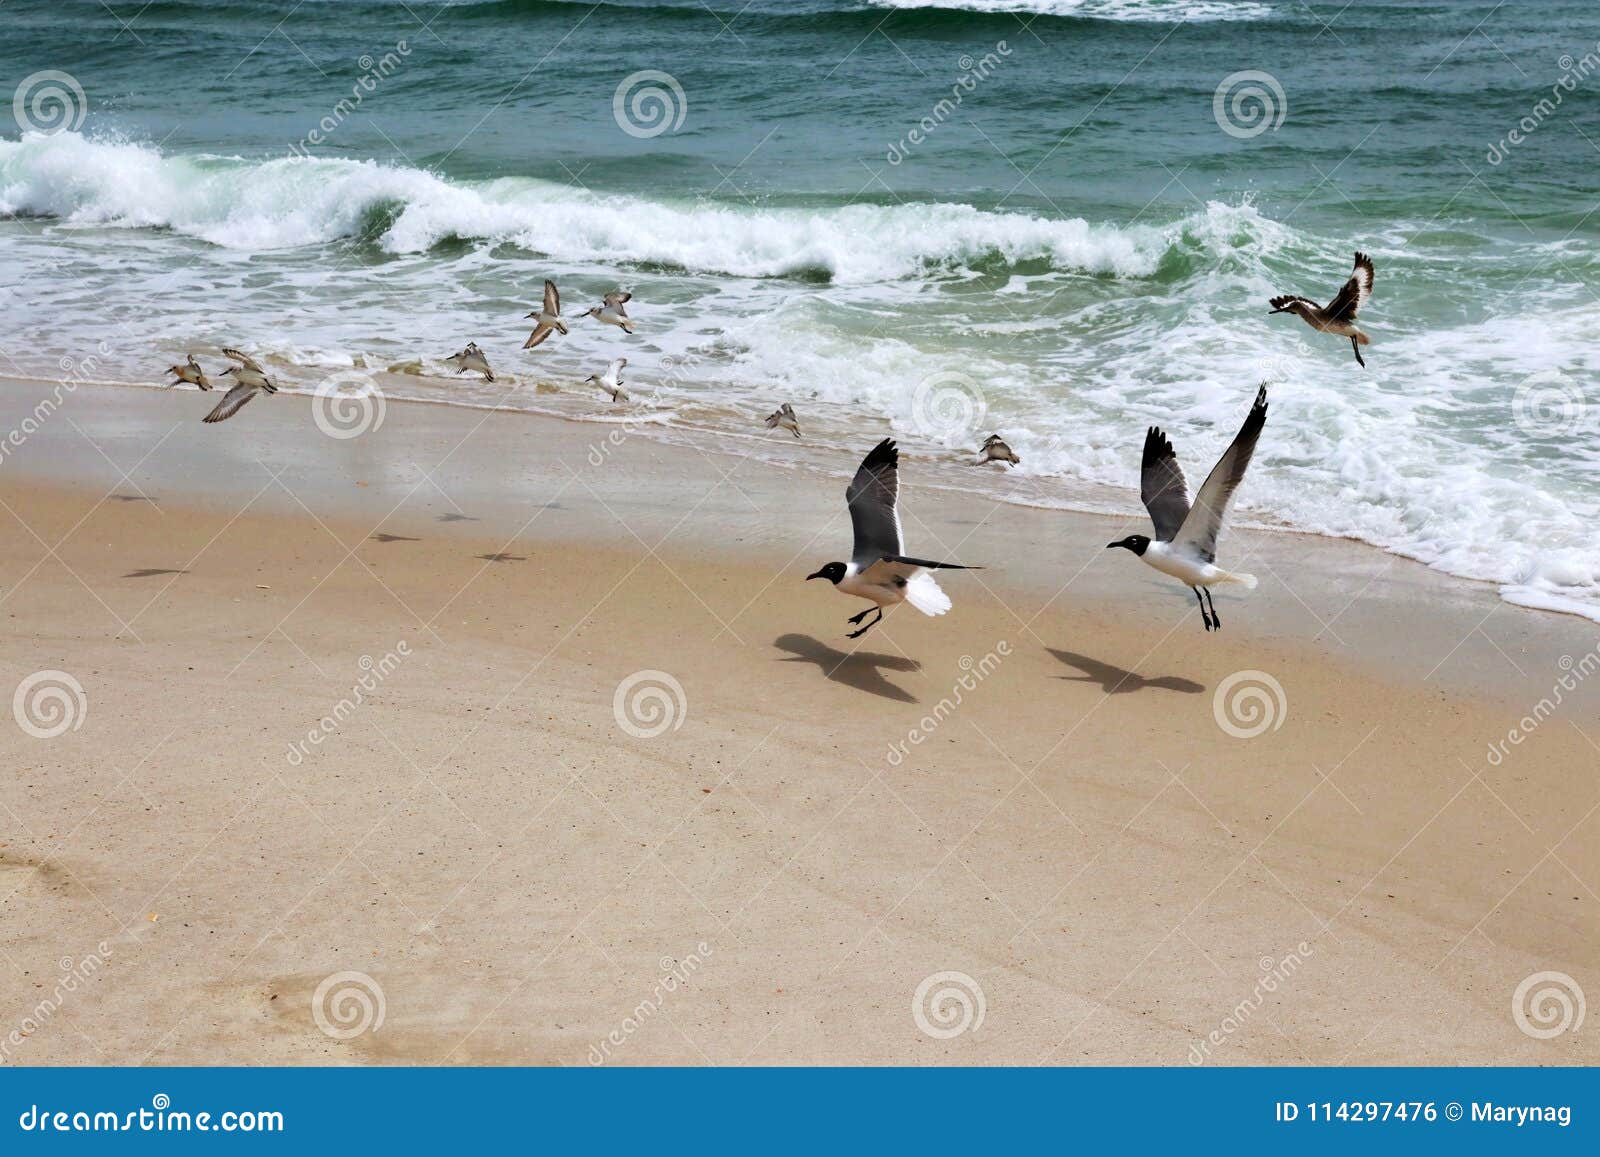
232	402
1162	486
1204	523
872	496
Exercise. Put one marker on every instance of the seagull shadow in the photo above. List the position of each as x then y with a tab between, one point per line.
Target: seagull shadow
502	556
1115	680
862	670
384	536
455	518
133	498
152	571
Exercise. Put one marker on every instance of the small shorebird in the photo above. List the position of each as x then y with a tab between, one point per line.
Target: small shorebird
472	358
610	381
1339	315
612	312
996	450
189	372
1185	545
546	318
877	571
783	419
251	379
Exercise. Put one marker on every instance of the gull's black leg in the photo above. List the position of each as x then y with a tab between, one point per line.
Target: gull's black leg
1356	346
1216	623
1204	616
862	615
869	626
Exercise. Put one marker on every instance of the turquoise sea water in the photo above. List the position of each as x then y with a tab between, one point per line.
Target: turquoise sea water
1059	219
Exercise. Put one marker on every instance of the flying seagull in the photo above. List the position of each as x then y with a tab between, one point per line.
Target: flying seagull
783	419
189	372
547	317
612	312
877	571
1185	545
472	358
996	450
252	380
610	381
1339	315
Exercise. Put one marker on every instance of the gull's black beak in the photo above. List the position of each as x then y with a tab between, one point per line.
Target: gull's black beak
819	574
1111	545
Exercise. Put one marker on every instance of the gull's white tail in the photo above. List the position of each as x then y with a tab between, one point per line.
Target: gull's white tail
1248	581
928	597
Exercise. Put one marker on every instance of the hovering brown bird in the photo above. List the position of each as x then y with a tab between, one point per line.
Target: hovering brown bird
1339	315
783	419
252	380
472	358
189	372
547	317
995	450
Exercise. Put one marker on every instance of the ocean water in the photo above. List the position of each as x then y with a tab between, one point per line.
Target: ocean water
1058	219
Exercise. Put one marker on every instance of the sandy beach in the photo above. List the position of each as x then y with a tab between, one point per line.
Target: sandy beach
388	706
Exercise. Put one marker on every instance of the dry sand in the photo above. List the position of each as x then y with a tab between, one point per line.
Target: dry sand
518	874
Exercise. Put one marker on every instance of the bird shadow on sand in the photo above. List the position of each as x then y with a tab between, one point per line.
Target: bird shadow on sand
862	670
385	536
134	498
152	571
1115	680
502	556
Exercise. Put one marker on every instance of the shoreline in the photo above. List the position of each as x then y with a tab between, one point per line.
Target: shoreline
833	459
506	835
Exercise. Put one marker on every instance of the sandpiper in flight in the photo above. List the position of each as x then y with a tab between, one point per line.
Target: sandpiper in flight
611	380
547	317
877	571
996	450
472	358
189	372
1339	315
612	312
1185	545
252	380
783	419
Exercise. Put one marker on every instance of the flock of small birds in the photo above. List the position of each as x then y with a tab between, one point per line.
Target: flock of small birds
1186	533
